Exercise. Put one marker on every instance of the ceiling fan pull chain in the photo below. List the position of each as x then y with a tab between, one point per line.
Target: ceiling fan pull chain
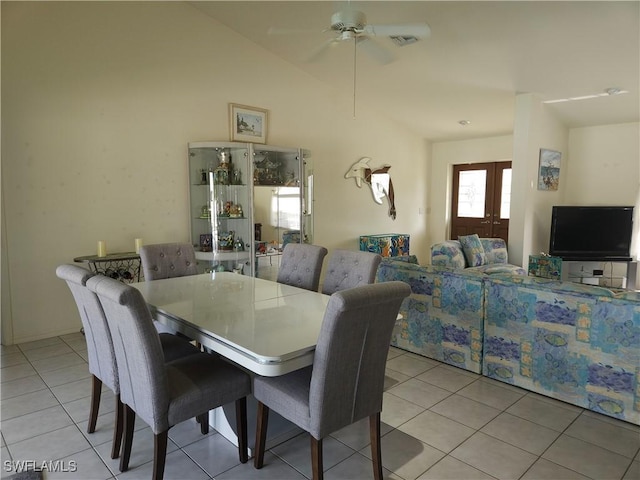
355	50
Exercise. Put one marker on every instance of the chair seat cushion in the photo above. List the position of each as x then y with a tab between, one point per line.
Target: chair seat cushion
287	395
199	383
175	347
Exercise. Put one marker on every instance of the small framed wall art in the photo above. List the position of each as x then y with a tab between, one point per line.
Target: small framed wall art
248	124
549	173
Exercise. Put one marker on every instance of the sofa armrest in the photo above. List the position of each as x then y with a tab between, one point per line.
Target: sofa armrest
448	254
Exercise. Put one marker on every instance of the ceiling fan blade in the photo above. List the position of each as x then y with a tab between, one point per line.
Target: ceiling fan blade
419	30
376	51
321	51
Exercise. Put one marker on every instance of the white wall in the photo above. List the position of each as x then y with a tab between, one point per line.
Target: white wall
604	165
535	127
99	101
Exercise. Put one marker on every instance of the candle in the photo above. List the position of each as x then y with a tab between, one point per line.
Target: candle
102	248
138	244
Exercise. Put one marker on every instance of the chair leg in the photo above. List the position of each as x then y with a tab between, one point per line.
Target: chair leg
316	458
96	389
376	450
261	434
241	427
159	454
203	420
117	428
129	423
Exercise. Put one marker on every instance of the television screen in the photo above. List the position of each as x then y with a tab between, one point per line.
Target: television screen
591	233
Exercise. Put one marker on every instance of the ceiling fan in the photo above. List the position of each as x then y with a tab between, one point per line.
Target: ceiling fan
351	26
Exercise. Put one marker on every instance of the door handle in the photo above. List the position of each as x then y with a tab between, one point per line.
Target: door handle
487	221
496	223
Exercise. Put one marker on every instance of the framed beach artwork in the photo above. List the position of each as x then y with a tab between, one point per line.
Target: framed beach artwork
549	172
247	124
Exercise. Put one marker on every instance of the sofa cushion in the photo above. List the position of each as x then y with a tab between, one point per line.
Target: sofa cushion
495	250
448	254
473	250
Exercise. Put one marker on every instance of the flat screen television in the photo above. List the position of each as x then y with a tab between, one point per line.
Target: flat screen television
591	233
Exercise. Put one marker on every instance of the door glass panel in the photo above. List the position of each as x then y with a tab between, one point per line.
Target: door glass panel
471	193
505	194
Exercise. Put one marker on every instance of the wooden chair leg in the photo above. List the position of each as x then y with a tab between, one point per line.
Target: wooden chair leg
159	454
117	428
316	459
96	390
129	423
261	434
376	450
203	420
241	427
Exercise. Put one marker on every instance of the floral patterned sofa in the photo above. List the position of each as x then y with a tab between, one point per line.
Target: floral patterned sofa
443	317
494	257
576	343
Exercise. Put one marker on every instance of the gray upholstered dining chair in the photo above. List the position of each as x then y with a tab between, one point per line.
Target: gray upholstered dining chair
348	269
101	355
345	382
168	260
163	394
301	265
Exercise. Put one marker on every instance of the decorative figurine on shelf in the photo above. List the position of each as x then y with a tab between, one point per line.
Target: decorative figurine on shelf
238	268
238	246
206	244
237	177
235	211
291	181
205	211
204	176
221	173
225	240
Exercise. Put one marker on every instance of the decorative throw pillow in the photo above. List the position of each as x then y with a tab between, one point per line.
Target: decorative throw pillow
473	250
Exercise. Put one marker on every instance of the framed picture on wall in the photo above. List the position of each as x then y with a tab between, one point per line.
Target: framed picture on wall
549	172
247	124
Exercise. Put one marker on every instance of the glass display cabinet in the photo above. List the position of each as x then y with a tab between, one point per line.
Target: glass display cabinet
246	203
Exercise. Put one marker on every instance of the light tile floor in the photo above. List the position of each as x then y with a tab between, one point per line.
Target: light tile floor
439	422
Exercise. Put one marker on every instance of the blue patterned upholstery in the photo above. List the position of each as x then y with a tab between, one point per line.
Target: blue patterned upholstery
443	317
450	253
577	343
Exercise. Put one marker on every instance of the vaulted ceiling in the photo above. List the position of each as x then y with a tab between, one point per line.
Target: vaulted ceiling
479	56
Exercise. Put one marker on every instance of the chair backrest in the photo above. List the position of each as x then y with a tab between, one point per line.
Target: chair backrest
301	265
349	363
102	358
141	370
348	269
168	260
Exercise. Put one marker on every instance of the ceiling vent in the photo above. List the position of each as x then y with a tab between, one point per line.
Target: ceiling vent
402	41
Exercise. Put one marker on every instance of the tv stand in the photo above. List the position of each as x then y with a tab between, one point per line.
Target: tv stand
626	281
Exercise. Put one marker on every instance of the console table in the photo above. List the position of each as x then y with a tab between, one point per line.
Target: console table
121	266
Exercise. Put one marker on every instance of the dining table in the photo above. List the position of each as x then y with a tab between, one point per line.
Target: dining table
265	327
